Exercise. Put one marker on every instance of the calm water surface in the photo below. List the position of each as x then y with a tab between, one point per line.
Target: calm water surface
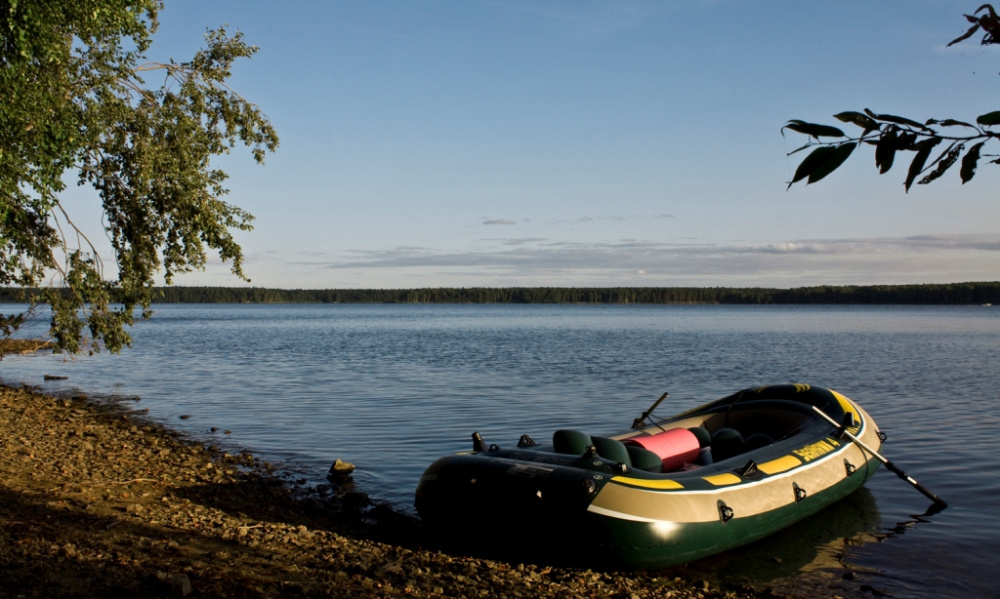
392	387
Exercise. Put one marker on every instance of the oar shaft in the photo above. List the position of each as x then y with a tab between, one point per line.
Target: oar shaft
655	405
642	419
899	472
889	465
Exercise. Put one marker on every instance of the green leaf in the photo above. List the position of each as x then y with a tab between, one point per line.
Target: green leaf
950	123
885	150
943	163
990	118
990	23
968	33
822	161
840	154
898	120
906	141
923	149
861	120
969	162
813	129
811	162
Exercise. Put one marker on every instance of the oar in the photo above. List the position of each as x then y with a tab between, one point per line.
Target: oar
889	465
638	422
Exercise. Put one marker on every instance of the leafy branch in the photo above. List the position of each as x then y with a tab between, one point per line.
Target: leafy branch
936	145
74	101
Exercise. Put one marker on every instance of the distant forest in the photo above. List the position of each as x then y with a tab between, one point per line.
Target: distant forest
951	293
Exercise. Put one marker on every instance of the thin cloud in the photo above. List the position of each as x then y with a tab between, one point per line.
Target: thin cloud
913	243
531	261
524	240
930	257
499	221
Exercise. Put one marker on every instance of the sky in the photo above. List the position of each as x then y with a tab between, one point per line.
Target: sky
582	143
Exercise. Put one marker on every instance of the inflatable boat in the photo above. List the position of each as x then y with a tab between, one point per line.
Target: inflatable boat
664	492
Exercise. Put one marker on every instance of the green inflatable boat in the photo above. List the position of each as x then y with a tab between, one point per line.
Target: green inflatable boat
662	493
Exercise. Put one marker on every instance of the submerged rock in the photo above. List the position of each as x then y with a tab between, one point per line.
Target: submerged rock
341	469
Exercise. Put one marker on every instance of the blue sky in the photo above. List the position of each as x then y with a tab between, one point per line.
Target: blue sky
521	143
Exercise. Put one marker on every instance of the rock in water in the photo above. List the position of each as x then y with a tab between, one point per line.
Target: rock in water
341	469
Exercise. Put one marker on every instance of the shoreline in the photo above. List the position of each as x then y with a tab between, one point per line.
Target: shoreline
95	501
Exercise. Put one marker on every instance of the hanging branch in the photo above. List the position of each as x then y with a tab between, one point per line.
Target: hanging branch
890	134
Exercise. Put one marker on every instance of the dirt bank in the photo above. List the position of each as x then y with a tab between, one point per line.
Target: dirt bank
94	502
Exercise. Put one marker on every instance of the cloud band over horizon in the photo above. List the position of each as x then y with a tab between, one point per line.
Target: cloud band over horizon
543	262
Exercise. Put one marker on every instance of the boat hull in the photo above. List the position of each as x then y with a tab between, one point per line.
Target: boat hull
591	508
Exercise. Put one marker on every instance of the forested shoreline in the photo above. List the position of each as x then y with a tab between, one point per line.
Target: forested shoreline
974	293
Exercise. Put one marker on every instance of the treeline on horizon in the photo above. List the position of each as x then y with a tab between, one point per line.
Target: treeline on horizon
956	293
930	294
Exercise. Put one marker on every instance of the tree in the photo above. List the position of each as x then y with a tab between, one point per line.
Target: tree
74	103
946	140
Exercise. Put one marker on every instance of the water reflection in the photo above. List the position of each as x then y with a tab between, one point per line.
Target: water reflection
904	526
822	541
818	555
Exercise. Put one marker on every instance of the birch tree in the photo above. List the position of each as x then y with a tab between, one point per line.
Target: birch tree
81	104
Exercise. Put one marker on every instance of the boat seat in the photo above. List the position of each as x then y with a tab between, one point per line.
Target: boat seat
610	449
726	443
704	437
644	459
570	441
577	443
758	440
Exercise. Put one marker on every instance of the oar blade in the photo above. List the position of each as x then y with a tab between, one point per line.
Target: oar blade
938	502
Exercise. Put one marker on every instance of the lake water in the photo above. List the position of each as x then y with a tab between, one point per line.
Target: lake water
392	387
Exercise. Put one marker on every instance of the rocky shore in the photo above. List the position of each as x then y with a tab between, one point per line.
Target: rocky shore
97	502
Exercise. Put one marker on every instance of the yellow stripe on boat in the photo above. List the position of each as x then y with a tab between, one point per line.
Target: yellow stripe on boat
846	405
721	480
781	464
664	484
